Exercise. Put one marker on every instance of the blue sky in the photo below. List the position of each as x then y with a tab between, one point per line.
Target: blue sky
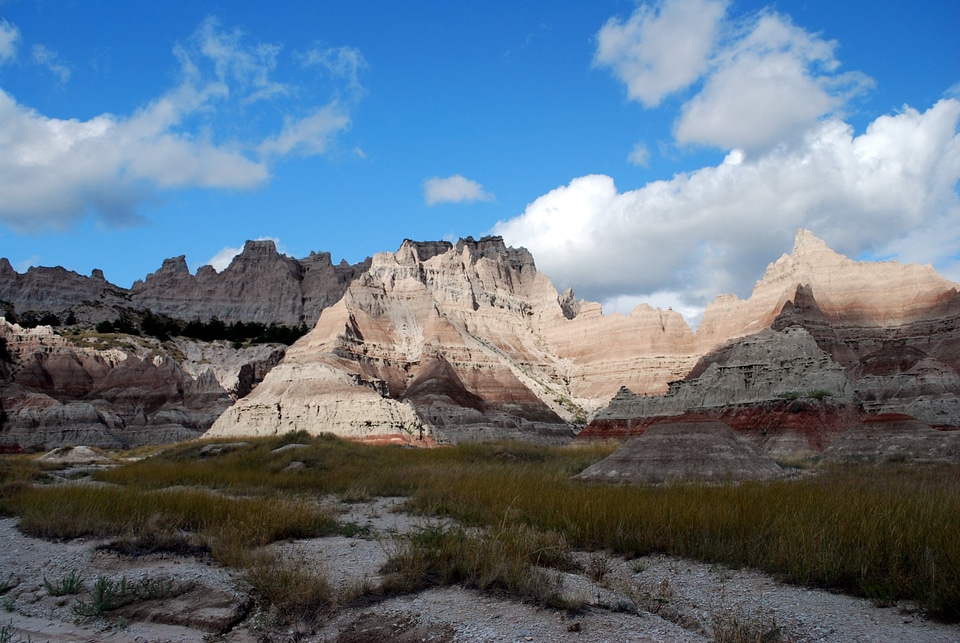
661	152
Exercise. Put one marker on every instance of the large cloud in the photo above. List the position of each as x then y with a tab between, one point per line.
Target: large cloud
890	190
757	82
54	171
773	97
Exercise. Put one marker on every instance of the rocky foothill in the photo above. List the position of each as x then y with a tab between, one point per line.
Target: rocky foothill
441	342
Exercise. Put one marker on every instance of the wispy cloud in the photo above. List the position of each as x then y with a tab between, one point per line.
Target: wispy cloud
639	155
454	189
207	131
48	58
9	35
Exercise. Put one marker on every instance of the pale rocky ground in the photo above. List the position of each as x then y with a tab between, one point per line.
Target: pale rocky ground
655	598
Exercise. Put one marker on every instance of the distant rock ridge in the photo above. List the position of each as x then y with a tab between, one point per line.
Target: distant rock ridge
478	344
446	342
260	285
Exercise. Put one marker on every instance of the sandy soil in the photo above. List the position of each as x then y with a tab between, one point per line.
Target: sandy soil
656	598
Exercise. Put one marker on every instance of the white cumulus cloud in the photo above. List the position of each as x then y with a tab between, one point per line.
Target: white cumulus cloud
755	83
661	48
890	190
453	189
766	88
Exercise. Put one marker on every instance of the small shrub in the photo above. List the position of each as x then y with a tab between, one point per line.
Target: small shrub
70	584
598	566
739	628
356	494
106	595
290	588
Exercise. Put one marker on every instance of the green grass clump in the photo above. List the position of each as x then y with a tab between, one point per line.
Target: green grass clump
70	584
110	594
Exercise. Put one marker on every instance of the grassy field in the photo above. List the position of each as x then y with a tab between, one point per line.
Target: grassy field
891	533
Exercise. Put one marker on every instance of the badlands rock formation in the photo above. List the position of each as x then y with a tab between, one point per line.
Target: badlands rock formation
55	391
448	342
434	342
469	341
260	285
461	342
57	290
683	449
823	343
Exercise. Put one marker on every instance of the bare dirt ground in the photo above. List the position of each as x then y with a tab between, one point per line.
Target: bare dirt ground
655	598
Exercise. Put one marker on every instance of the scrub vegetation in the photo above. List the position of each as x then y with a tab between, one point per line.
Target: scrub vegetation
513	514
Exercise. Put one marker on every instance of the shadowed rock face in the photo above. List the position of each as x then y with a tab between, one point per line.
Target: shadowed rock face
893	437
683	450
260	285
58	393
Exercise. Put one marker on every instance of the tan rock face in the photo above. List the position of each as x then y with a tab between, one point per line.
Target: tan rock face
864	338
477	343
874	294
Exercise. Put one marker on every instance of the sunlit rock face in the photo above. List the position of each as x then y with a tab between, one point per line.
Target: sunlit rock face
830	340
449	342
474	341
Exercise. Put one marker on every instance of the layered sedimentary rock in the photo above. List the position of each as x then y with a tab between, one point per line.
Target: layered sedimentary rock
822	343
892	437
682	450
435	341
259	285
56	391
56	290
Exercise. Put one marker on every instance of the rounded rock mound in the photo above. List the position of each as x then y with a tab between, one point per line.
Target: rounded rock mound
684	450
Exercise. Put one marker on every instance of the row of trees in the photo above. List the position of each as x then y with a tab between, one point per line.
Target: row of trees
163	328
32	319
